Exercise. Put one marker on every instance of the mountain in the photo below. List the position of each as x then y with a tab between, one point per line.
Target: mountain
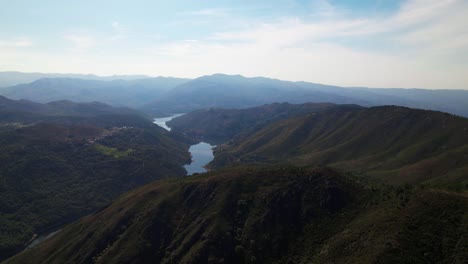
62	160
129	93
266	215
218	125
12	78
62	108
390	143
24	112
23	106
166	95
235	91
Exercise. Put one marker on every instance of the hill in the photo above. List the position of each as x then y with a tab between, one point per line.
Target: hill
217	125
62	108
390	143
24	112
129	93
12	78
55	168
267	215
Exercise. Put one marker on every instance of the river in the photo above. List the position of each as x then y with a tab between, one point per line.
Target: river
162	121
41	238
202	153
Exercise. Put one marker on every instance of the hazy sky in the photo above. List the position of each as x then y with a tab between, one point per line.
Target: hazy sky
376	43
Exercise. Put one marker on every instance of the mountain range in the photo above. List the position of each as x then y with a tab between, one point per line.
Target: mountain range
302	172
130	93
164	95
12	78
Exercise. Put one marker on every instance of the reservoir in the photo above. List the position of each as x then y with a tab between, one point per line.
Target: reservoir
162	121
202	153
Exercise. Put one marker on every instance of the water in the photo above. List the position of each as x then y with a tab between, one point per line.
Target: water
162	121
202	154
41	238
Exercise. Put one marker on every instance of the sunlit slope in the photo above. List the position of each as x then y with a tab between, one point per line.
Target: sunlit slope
392	143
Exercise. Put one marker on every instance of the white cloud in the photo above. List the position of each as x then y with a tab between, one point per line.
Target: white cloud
80	42
429	48
423	44
22	43
208	12
115	25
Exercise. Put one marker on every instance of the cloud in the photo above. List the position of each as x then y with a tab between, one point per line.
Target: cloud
404	49
115	25
16	43
422	44
80	42
208	12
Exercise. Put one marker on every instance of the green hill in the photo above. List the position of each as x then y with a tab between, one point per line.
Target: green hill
219	125
55	169
394	144
131	92
266	215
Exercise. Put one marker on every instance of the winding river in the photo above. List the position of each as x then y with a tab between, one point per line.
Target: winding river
202	153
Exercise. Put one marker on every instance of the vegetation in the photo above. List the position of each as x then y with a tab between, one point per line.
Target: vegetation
113	152
235	91
394	144
58	169
69	160
267	215
132	92
220	125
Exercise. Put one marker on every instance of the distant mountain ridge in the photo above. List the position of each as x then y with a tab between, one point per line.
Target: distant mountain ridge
236	91
165	95
25	111
128	93
11	78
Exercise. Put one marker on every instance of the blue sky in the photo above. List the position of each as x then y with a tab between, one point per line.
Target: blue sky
376	43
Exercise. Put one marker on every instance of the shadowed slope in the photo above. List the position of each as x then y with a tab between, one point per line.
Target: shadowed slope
283	215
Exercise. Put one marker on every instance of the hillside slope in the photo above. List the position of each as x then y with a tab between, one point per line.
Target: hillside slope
129	93
220	125
55	169
394	144
279	215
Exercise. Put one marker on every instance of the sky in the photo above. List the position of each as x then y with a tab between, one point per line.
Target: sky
372	43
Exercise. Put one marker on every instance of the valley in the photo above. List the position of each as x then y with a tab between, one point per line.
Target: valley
271	183
234	132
